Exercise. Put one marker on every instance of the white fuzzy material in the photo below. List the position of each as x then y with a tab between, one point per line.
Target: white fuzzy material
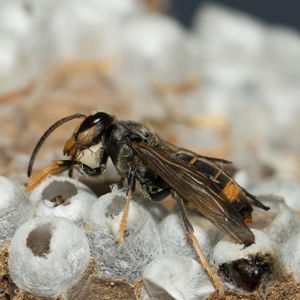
139	247
51	275
173	235
79	206
229	30
227	251
289	190
291	255
15	208
176	277
285	225
153	48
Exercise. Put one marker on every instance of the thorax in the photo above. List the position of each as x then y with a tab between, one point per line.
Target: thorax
118	146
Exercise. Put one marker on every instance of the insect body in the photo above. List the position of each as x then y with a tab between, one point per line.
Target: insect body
162	169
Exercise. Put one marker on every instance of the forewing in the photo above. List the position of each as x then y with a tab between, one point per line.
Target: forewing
171	148
195	188
220	181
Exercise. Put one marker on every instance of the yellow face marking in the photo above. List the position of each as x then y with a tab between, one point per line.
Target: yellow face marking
69	146
231	191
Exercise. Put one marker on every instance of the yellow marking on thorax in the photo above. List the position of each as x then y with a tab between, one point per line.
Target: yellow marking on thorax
193	160
217	175
231	191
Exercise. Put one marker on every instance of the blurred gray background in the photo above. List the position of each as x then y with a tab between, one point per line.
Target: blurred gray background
219	77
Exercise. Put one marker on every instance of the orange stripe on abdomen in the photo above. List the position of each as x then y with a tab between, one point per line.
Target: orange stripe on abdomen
232	191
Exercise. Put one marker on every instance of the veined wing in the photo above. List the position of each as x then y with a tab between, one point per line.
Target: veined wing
195	188
175	149
221	182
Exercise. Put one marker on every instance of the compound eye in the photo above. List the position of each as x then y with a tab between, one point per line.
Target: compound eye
100	119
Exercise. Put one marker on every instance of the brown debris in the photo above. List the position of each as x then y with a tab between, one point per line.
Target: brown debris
233	295
93	287
286	289
91	270
98	287
6	286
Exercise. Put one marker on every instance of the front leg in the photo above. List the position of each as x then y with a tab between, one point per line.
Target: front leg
161	195
85	170
156	190
54	168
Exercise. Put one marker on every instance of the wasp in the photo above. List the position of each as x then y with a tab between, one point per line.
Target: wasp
161	169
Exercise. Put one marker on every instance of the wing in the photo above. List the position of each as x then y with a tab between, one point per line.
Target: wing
195	188
178	150
221	181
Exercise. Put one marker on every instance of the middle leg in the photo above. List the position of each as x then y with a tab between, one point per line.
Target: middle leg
129	191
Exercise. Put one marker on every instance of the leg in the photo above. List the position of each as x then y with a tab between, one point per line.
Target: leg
190	235
122	228
90	172
70	173
85	170
156	190
56	167
160	195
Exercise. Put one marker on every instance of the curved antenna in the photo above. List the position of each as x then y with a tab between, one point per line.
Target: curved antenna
46	134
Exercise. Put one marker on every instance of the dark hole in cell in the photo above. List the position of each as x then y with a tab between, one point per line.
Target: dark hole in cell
59	192
247	273
116	206
38	240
